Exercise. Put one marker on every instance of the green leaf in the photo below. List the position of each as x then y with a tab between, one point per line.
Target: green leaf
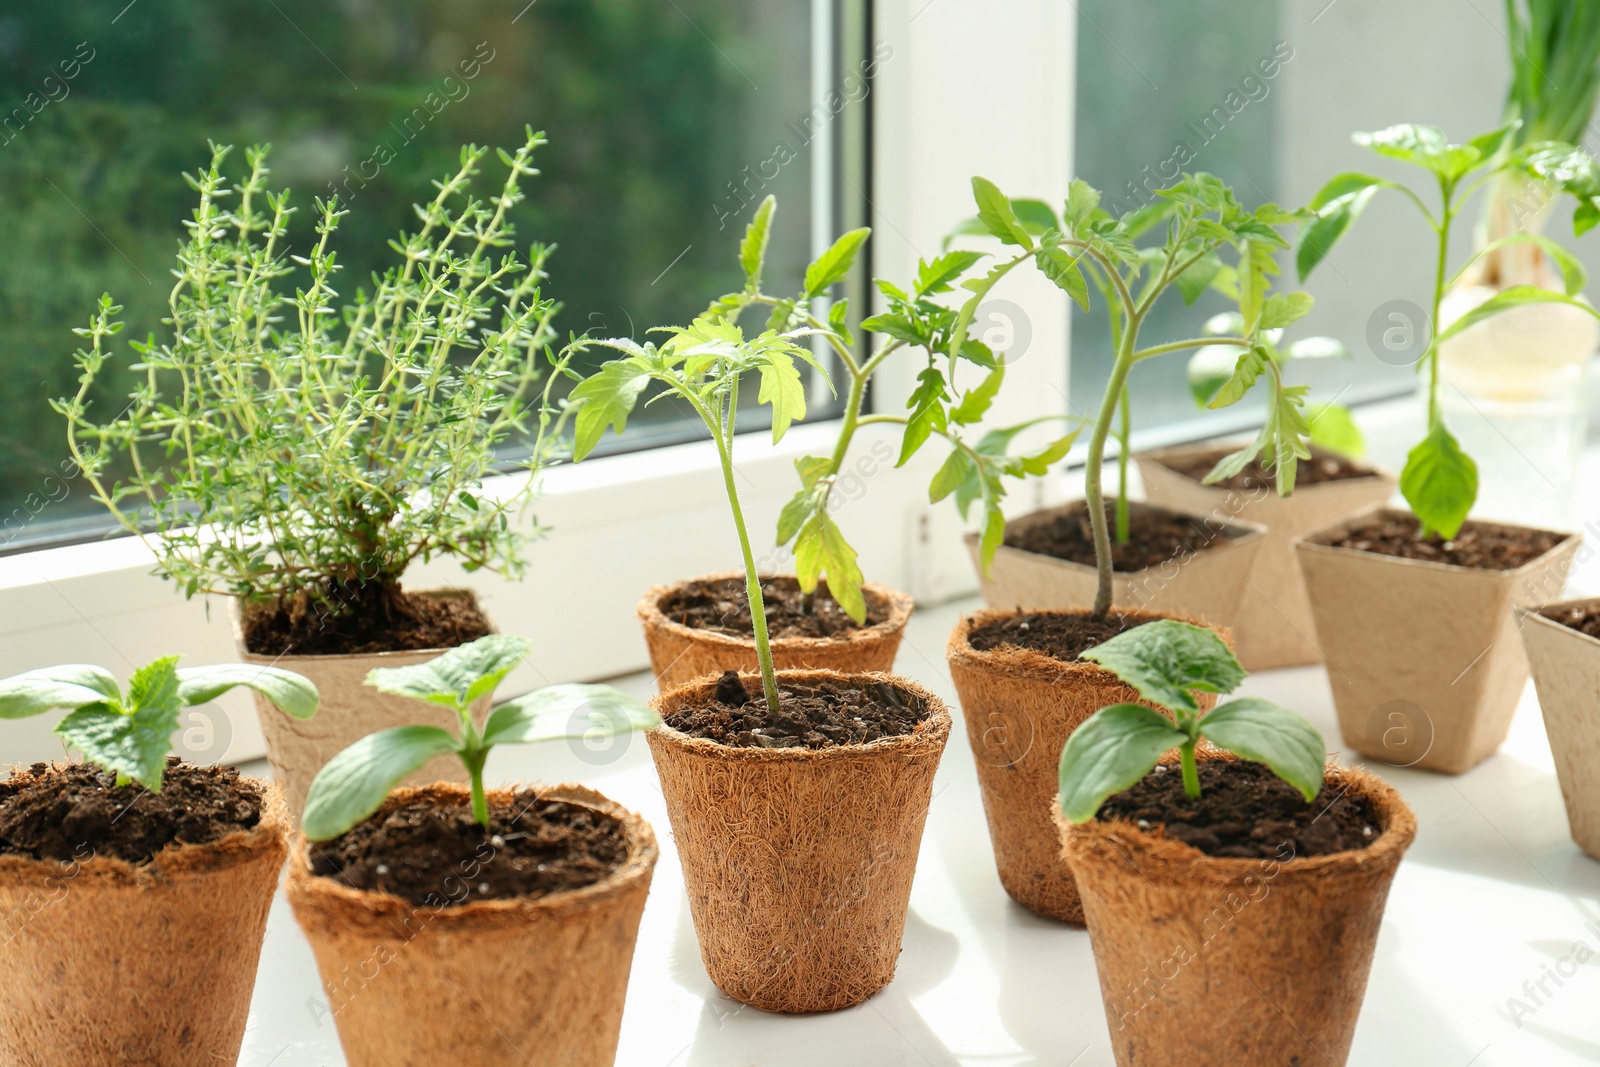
292	693
571	710
1440	482
1506	299
1246	369
1210	368
1342	186
72	685
1330	224
1036	216
1082	200
355	783
936	277
1335	429
455	678
975	402
782	387
952	473
1063	269
820	549
1198	277
836	262
1573	275
1281	309
927	413
1112	750
753	249
1422	146
997	216
606	398
897	326
132	742
1259	730
993	533
1166	659
1234	462
1257	264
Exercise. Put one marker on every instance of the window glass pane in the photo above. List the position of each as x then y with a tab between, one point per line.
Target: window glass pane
663	119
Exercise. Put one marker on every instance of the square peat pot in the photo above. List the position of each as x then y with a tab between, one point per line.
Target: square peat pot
1423	658
1206	585
1273	626
1566	673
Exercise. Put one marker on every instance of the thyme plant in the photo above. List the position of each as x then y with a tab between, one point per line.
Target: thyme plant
1440	481
355	783
294	445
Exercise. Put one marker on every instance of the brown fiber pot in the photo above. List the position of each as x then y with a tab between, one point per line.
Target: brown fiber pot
1020	706
799	862
494	983
1207	585
1273	626
348	711
1423	658
110	962
1235	962
680	654
1566	673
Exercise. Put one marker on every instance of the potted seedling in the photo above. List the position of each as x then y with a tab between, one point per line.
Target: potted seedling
521	902
296	448
1413	608
1224	896
826	615
797	797
134	887
1563	645
1022	684
1272	627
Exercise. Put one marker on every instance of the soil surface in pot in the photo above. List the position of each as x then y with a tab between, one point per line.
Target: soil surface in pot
1154	536
435	855
1064	635
1244	812
1485	546
1321	467
722	607
71	811
809	716
367	621
1582	619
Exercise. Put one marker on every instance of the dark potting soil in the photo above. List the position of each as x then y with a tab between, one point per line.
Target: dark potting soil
1485	546
70	811
1155	535
1321	467
367	620
1585	620
809	716
435	854
722	607
1064	635
1245	812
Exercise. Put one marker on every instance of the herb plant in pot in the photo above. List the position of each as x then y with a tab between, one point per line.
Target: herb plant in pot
1273	626
496	923
134	888
1413	608
797	797
1233	904
826	615
1563	645
298	452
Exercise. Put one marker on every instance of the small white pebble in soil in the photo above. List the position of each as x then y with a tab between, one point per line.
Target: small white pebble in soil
1366	831
1449	546
483	887
1022	626
1161	768
497	841
1144	824
539	867
382	868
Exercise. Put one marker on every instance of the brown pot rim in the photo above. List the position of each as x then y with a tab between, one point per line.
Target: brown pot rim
897	604
932	731
1039	666
287	661
1168	861
1160	456
1312	543
173	861
1541	615
1240	532
339	906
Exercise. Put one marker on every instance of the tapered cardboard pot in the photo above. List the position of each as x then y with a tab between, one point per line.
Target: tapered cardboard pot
1206	585
679	654
799	862
1235	962
1566	673
1020	707
1423	658
109	962
494	983
1273	625
348	711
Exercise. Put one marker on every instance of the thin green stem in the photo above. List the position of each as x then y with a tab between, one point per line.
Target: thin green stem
752	580
1124	431
1446	215
1191	771
1093	493
1193	342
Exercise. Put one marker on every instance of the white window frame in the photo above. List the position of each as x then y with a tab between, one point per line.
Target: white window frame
968	89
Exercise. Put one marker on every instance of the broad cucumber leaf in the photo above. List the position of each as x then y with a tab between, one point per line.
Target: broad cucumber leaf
132	741
1112	750
1166	659
292	693
458	677
571	710
1260	730
1440	482
997	215
607	398
753	249
836	262
354	783
71	685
